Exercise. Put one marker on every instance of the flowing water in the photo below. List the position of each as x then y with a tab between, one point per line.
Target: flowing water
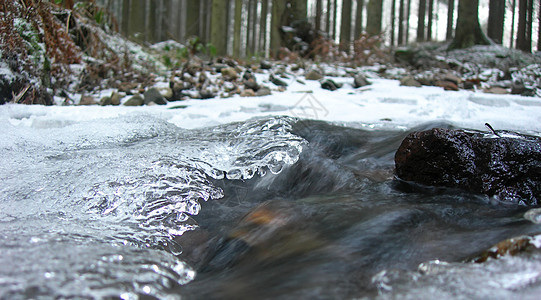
133	206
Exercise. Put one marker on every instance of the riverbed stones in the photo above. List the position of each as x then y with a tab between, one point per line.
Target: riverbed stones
263	91
360	80
153	95
115	98
277	81
105	101
410	81
330	85
313	75
87	100
229	74
503	165
247	93
135	100
265	65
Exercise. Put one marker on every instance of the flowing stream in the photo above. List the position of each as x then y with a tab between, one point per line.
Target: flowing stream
269	208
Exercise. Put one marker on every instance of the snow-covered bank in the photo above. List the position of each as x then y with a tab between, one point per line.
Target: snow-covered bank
383	104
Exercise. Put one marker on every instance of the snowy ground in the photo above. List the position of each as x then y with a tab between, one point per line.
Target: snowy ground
383	104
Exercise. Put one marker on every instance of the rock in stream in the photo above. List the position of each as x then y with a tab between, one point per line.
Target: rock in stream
501	164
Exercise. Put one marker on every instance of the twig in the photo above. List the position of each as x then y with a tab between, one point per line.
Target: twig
492	129
19	96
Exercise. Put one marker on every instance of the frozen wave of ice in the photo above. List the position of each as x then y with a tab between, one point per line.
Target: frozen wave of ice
85	192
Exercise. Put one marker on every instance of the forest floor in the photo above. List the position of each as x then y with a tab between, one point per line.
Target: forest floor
55	56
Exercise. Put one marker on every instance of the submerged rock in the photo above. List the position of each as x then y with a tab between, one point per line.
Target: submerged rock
512	246
504	165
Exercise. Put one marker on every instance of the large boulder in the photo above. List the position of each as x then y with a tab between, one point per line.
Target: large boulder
501	164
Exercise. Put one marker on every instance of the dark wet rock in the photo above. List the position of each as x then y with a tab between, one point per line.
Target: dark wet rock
87	100
265	65
135	100
410	81
277	81
263	91
247	93
360	80
330	85
313	75
229	74
153	95
506	166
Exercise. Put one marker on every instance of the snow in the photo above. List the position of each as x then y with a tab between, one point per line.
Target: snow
383	104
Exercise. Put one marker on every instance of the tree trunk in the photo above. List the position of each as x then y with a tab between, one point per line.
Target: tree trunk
125	24
345	26
328	25
237	43
401	23
393	16
359	19
335	22
136	24
421	21
279	19
496	16
374	15
512	39
192	18
539	29
299	9
218	27
263	31
529	26
468	31
450	19
522	30
430	19
408	22
319	11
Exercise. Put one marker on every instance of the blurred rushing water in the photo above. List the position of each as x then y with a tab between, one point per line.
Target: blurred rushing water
268	208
